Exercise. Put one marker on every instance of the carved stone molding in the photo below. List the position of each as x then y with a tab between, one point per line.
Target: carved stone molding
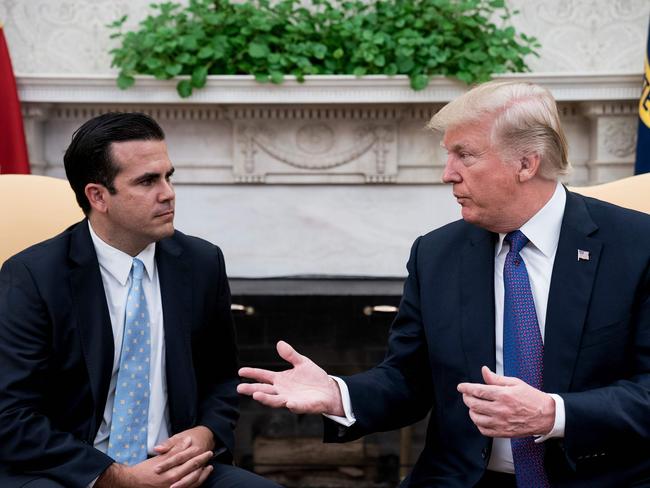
350	146
597	109
612	138
320	89
318	143
619	137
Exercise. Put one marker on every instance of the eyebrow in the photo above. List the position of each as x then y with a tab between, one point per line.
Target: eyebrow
153	176
455	147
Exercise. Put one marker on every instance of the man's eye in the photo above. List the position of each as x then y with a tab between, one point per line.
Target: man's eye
146	182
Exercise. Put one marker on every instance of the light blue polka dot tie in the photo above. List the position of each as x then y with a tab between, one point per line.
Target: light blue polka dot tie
523	355
128	440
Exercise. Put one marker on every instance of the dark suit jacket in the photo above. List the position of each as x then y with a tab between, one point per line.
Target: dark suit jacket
56	352
596	351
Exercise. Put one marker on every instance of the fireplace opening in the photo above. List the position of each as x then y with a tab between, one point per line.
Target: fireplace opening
342	324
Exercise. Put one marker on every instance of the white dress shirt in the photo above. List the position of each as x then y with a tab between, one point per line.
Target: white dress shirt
543	232
115	268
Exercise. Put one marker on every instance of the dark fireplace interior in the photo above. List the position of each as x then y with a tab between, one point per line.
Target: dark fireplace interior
341	324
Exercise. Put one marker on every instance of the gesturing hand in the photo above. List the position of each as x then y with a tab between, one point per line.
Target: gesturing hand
508	407
305	388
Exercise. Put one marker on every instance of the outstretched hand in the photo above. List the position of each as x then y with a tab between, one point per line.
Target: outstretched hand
304	388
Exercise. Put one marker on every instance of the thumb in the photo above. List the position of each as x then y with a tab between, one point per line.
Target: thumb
175	440
164	446
491	378
289	354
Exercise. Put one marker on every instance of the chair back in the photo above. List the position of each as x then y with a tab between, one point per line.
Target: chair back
632	192
33	208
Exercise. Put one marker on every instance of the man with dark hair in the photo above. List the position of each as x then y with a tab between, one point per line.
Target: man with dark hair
117	348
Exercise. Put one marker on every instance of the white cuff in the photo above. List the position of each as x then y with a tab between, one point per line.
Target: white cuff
349	418
560	420
92	483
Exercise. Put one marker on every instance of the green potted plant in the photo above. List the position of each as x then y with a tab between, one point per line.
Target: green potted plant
417	38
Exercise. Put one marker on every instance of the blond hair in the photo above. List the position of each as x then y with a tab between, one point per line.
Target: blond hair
525	120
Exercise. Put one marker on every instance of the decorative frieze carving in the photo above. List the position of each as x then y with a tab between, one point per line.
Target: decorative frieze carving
613	139
298	144
619	137
325	144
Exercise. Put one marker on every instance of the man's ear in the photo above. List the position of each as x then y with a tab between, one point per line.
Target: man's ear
96	195
528	167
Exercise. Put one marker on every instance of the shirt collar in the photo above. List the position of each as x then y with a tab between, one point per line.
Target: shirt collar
119	263
543	228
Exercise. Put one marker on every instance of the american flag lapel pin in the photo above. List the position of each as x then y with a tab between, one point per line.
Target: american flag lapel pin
583	255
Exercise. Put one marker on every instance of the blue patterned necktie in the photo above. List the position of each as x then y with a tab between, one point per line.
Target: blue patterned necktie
523	353
128	438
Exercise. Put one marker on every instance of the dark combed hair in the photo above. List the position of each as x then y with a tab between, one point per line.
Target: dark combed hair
88	157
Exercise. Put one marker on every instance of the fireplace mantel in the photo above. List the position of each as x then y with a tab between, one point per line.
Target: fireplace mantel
327	130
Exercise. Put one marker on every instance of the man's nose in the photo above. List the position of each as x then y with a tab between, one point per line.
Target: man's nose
450	175
168	192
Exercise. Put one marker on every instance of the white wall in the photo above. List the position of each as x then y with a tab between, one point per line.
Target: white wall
70	36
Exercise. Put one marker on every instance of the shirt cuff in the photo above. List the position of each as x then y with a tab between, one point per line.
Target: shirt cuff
560	420
349	418
92	483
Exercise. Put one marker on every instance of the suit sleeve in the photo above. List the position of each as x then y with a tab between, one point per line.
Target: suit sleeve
398	391
615	419
216	363
29	443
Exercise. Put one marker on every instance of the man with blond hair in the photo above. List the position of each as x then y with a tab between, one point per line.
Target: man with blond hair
524	328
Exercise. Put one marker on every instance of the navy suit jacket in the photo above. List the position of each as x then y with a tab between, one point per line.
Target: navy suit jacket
56	352
596	352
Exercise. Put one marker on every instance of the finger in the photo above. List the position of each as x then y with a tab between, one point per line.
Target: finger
275	401
174	441
300	407
471	401
289	354
204	474
485	407
491	378
194	479
480	420
172	460
250	388
257	374
196	463
484	392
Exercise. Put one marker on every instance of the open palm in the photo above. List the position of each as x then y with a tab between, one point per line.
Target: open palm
304	388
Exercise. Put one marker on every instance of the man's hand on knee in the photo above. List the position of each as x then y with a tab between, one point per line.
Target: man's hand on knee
184	465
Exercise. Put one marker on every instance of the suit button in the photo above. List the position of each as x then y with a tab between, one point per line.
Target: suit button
484	453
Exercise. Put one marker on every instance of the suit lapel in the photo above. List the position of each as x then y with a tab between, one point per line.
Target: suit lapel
570	291
176	296
93	319
477	302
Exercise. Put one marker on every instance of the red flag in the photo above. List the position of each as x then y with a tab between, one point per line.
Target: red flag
13	150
